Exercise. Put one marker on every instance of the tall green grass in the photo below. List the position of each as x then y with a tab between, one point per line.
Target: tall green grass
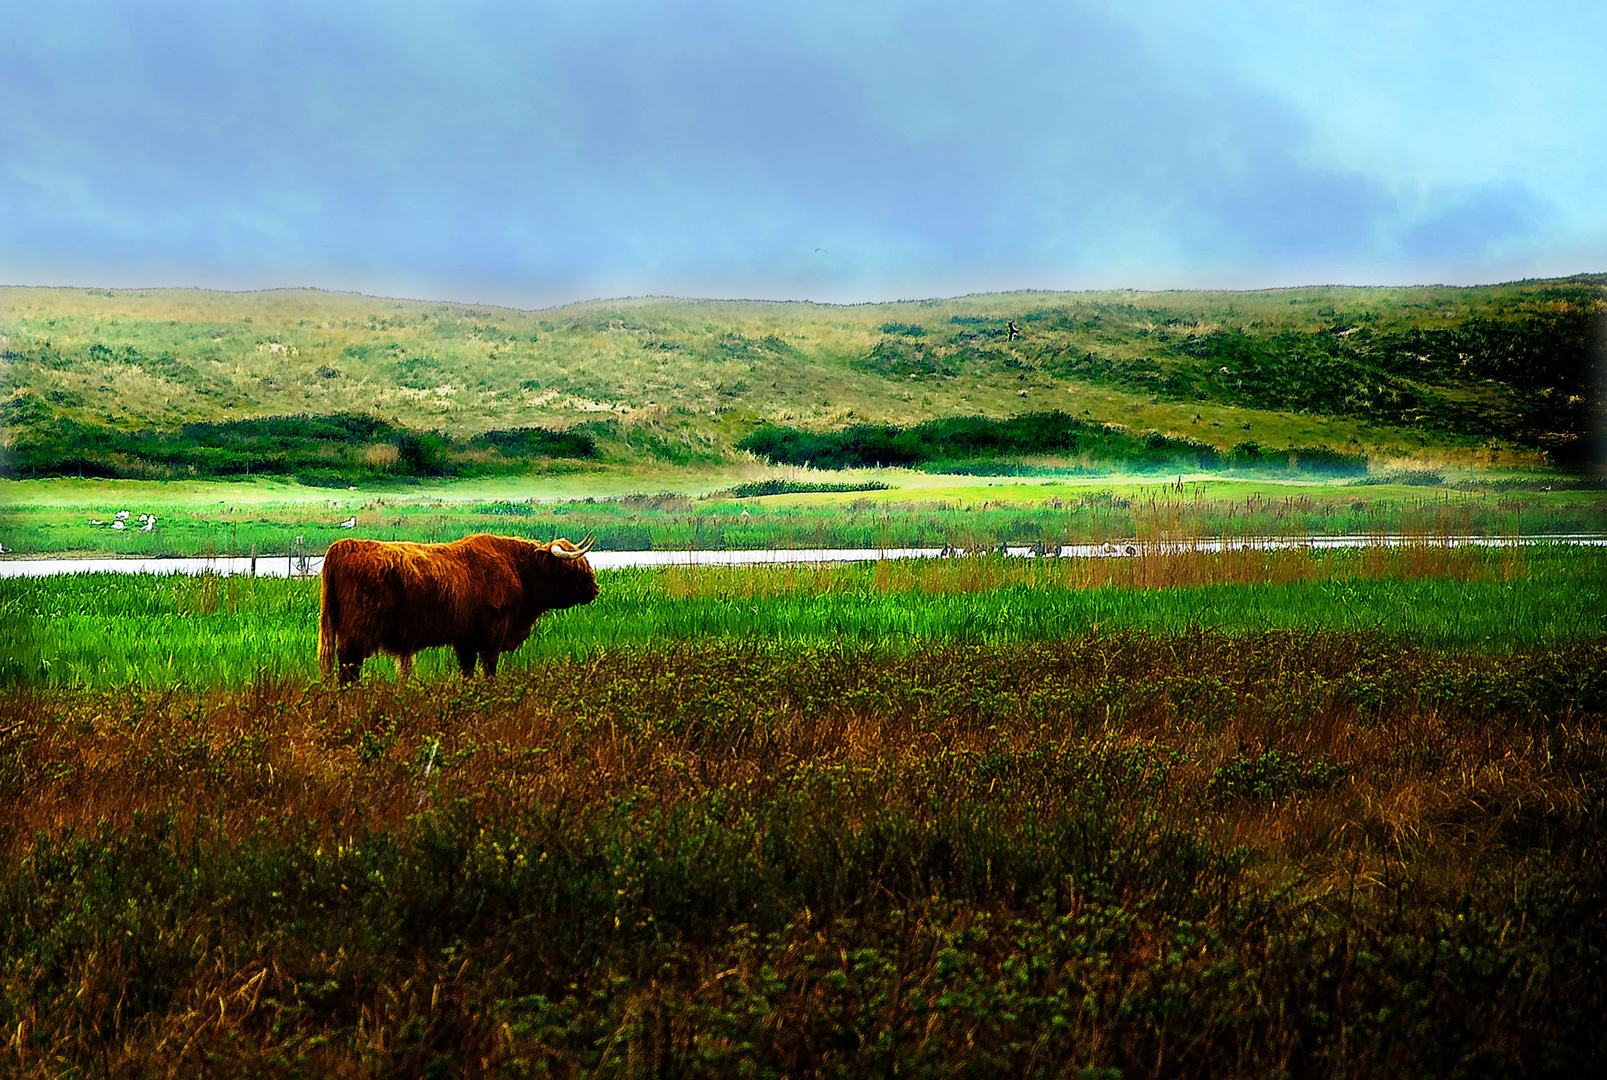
110	629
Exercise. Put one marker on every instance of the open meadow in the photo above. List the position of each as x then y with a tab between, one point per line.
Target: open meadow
724	541
680	512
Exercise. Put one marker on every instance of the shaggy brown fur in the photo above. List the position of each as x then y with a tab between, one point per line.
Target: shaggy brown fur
481	595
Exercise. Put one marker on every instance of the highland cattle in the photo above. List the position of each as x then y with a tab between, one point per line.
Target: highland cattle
481	595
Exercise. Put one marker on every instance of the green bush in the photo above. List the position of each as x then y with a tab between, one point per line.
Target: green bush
984	446
539	442
1409	477
1271	774
321	451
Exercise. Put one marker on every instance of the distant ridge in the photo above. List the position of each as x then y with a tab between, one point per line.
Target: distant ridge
1492	373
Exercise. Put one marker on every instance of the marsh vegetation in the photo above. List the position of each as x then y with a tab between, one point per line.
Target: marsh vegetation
1134	852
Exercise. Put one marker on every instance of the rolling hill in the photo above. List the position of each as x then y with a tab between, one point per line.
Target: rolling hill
1503	374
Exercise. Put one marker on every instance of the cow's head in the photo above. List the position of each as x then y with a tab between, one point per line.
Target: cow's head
564	578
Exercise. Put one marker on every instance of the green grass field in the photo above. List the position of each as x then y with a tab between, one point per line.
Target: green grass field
52	517
107	630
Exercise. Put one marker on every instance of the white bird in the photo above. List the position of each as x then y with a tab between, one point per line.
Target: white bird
96	521
118	525
148	526
349	523
121	515
5	550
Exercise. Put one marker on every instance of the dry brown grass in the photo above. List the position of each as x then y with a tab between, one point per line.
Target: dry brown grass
1439	778
1421	764
1157	563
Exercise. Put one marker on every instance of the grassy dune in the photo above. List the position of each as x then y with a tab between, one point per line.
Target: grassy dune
1481	376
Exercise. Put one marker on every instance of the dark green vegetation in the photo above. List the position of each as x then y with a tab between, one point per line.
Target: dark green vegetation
1546	359
335	450
962	443
758	488
1175	854
1505	374
108	630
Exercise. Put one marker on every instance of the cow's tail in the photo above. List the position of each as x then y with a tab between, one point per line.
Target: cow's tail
328	618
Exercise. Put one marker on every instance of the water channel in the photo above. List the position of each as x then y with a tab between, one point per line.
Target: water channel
293	565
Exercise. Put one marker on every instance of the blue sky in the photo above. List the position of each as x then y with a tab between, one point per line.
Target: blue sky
536	153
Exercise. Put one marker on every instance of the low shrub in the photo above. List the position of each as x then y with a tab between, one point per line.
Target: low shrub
756	488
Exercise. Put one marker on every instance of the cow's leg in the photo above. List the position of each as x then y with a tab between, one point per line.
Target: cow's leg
488	660
351	665
404	668
466	658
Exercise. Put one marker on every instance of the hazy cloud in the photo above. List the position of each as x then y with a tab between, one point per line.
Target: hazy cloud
537	153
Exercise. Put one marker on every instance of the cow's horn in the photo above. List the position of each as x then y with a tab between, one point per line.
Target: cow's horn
572	551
